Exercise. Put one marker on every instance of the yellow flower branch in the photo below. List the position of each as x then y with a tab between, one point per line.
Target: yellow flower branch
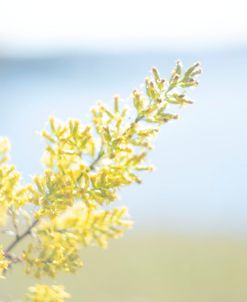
66	207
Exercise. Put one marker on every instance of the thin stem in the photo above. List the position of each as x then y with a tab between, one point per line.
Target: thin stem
138	118
97	159
20	237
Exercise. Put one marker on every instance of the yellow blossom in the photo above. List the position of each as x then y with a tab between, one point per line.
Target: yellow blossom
4	263
46	293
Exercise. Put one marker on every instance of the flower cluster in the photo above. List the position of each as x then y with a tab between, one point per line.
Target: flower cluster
13	196
78	227
41	293
70	205
4	263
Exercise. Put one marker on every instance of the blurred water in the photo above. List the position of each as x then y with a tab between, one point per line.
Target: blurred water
200	181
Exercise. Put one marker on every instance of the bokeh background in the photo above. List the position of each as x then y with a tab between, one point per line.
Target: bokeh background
189	242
